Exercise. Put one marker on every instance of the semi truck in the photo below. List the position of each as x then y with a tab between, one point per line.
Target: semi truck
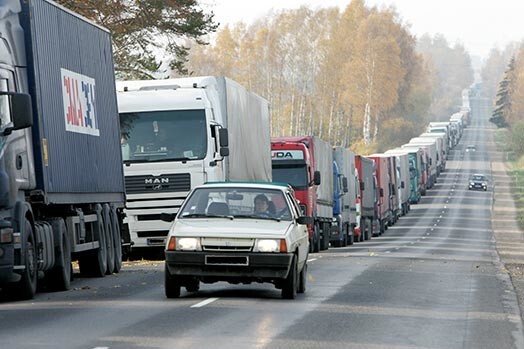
306	164
344	198
368	197
384	213
61	179
180	133
403	179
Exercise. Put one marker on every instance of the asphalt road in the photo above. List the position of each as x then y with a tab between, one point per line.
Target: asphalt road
434	280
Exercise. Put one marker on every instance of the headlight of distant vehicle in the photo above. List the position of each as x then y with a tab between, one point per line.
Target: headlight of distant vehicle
271	245
471	184
184	244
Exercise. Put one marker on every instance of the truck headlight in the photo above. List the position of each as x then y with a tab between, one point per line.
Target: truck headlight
471	184
188	244
268	245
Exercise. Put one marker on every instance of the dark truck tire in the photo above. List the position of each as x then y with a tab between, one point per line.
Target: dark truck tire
59	278
94	263
109	235
26	287
117	240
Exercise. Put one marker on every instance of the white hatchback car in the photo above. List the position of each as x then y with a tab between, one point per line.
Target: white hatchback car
238	233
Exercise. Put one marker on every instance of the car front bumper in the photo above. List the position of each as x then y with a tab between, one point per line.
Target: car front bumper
227	266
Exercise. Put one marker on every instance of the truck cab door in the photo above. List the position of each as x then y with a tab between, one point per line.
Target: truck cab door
17	159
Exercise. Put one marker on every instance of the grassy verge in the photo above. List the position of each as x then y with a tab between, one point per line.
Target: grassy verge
515	165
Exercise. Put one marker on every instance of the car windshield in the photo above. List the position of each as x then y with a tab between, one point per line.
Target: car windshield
477	177
236	202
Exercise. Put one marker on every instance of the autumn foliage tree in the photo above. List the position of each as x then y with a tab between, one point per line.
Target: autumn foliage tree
353	77
147	34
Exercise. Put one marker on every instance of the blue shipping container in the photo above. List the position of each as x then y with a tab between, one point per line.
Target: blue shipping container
76	133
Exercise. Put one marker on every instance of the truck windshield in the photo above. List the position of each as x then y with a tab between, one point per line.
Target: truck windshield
295	175
163	136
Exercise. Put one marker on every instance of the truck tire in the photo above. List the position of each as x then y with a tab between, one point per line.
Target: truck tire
117	240
59	278
108	229
26	287
316	238
290	285
171	285
325	237
350	235
302	279
94	263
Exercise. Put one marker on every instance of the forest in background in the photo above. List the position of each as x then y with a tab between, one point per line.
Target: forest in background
357	77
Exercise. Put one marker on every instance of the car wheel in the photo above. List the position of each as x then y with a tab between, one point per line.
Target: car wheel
302	279
171	285
289	289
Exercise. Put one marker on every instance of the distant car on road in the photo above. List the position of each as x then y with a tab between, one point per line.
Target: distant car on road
478	181
471	148
238	233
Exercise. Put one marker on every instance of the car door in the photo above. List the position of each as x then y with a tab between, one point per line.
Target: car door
299	232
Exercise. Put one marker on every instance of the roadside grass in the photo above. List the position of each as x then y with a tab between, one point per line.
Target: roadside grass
515	164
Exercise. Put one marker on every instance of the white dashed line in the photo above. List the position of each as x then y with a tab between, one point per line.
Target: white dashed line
312	259
203	303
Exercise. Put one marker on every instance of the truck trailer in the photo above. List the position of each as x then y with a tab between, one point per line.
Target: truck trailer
306	164
180	133
61	182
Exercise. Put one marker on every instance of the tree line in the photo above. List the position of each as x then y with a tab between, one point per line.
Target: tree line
355	77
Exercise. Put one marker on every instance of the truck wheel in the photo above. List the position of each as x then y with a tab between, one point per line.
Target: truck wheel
171	285
117	240
316	238
26	287
325	237
302	279
289	289
95	262
60	276
108	229
350	235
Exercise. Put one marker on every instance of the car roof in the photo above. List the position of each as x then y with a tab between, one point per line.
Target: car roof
247	185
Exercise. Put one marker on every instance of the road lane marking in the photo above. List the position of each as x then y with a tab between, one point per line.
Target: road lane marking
203	303
312	259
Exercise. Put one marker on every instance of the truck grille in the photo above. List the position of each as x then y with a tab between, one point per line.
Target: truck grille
158	184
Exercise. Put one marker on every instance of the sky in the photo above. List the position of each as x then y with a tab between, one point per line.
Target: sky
479	25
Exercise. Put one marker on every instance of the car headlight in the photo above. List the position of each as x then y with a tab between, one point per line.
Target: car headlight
188	244
270	245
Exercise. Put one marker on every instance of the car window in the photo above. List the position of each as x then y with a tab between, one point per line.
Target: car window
236	202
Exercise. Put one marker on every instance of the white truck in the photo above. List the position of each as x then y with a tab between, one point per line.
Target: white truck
177	134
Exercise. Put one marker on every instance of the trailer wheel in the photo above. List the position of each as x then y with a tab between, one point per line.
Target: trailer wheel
325	234
60	276
26	287
117	240
94	263
108	229
171	285
289	289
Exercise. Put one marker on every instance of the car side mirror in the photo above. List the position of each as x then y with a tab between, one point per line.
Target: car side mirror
305	220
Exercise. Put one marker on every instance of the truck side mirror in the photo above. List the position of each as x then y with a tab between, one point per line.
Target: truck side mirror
224	138
21	110
345	184
381	192
305	220
362	186
316	178
402	185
